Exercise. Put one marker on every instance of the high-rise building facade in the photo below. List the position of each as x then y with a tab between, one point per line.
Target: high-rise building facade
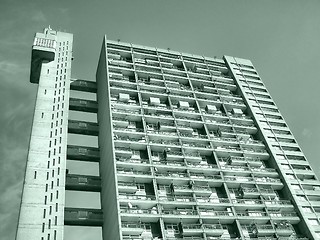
189	147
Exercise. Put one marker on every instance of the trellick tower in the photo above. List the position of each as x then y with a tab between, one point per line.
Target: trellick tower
189	147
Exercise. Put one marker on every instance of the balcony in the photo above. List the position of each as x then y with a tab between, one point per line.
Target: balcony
123	152
212	200
177	199
193	157
138	211
225	149
292	217
180	212
83	85
85	128
130	138
181	189
234	103
83	105
196	144
83	217
265	172
133	159
263	230
83	153
210	213
156	134
138	197
198	175
252	214
203	189
127	187
253	152
83	183
243	204
135	111
235	181
284	229
132	172
276	204
249	192
267	191
172	155
198	229
134	228
254	161
172	163
120	63
171	174
274	182
124	101
190	229
202	165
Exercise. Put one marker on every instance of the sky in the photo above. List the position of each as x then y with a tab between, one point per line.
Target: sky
281	38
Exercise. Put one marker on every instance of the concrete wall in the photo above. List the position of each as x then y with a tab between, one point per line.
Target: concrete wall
288	191
109	203
46	161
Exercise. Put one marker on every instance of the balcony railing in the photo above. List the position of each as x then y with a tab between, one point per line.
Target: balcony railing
202	199
83	217
132	172
177	198
172	174
138	211
210	212
81	127
83	153
131	160
180	212
203	176
83	183
83	85
133	196
83	105
255	214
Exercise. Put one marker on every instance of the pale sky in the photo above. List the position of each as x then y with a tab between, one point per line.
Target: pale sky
281	38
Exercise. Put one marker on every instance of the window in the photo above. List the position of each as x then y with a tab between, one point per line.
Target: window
301	198
285	166
313	222
296	186
281	157
291	176
307	209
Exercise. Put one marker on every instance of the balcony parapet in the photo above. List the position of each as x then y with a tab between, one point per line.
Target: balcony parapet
83	183
83	85
83	217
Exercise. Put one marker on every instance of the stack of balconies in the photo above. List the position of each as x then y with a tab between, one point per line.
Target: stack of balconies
76	182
